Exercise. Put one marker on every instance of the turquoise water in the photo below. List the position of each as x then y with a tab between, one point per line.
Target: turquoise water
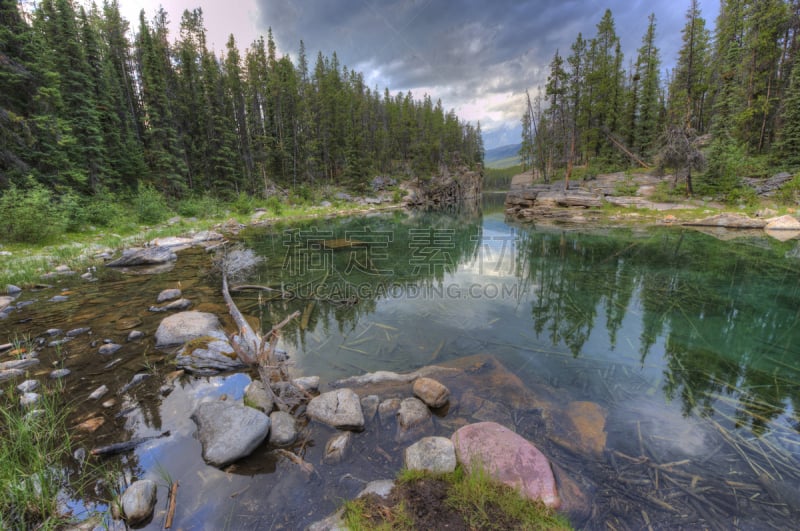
687	342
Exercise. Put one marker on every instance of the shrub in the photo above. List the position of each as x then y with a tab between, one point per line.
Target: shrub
202	206
30	216
789	193
243	204
274	204
149	205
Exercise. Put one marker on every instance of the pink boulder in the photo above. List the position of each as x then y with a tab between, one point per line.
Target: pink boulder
508	458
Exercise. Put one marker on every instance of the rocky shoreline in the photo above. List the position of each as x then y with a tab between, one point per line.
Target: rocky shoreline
583	201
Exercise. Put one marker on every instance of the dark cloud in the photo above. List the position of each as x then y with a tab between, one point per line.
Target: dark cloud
477	56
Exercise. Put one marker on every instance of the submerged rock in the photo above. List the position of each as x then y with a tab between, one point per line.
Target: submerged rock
413	420
138	501
337	448
340	408
108	349
387	410
180	304
145	256
59	373
29	399
18	364
431	454
168	295
307	383
181	327
135	335
229	431
508	458
75	332
369	406
28	386
98	393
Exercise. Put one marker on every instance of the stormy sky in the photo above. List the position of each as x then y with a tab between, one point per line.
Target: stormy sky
477	56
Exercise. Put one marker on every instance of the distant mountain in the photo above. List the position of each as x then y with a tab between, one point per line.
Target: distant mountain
502	152
502	157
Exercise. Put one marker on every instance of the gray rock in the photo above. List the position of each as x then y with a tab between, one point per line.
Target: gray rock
58	298
168	295
369	405
108	349
337	448
326	204
209	357
136	380
29	399
413	420
98	393
185	326
334	522
28	386
59	373
59	342
134	335
380	487
283	431
432	392
19	364
10	374
138	501
387	410
342	196
307	383
146	256
11	289
180	304
53	332
229	431
340	408
256	396
75	332
431	454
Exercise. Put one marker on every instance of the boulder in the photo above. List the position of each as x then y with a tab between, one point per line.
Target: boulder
508	458
283	430
185	326
337	447
731	221
431	454
340	408
257	397
208	355
138	501
413	420
168	295
229	431
433	393
144	256
783	223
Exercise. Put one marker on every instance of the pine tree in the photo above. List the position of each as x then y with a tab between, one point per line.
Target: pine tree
788	144
688	94
648	109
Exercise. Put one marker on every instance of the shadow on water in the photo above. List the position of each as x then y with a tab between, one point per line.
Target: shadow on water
686	344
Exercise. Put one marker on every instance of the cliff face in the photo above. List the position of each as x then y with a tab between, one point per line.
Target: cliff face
450	187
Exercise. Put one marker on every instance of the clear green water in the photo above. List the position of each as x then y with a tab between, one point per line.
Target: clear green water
689	344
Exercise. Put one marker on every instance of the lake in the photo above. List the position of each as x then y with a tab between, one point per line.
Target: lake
687	344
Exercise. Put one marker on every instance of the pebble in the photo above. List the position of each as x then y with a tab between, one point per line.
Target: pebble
58	298
78	331
108	349
29	399
135	334
53	332
28	386
59	373
99	392
59	342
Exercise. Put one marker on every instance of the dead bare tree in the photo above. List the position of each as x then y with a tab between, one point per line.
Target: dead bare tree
680	150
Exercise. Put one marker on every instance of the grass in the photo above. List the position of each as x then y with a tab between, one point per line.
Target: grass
135	220
471	497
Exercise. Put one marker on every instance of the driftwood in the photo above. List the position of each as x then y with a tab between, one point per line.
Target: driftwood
173	493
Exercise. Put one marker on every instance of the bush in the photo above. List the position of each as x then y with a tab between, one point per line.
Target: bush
243	204
274	204
301	195
149	205
30	216
203	206
789	193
